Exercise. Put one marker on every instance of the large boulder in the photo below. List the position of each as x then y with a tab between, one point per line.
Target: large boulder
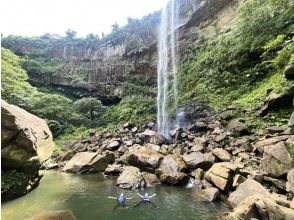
222	154
54	215
259	207
259	145
222	175
210	194
144	157
276	160
198	160
26	144
130	178
151	179
171	170
249	188
237	128
290	182
152	137
88	162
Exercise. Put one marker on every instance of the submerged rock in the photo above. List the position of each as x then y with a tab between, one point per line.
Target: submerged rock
55	215
26	144
130	178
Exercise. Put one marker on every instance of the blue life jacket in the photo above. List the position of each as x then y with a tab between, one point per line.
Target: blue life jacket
122	199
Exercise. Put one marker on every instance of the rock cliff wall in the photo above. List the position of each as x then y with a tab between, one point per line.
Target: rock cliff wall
100	64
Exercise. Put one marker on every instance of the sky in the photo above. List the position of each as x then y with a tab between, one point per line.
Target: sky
36	17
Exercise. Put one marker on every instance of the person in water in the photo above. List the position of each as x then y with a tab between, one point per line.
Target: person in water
121	201
146	199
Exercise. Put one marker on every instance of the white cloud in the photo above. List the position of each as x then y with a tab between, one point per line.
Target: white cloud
35	17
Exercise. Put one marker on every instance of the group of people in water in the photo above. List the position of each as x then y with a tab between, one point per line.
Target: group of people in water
122	200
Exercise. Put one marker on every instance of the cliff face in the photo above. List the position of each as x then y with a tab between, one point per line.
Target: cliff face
96	66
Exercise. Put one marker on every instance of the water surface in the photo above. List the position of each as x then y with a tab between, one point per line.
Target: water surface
86	197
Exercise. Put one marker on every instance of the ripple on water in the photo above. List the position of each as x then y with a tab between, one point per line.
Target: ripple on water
86	197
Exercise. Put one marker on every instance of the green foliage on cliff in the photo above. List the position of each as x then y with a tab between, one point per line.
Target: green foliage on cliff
58	110
90	107
247	63
135	108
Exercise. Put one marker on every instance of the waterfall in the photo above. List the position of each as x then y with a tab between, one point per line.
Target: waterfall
167	65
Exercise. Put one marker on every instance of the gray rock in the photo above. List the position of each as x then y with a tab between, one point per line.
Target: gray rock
290	182
274	130
248	188
151	179
152	137
222	154
210	194
86	162
171	170
26	143
259	145
198	174
130	178
198	160
221	175
113	145
237	128
259	207
276	160
66	155
113	169
281	184
144	157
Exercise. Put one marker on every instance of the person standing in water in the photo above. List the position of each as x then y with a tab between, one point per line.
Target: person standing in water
146	199
121	201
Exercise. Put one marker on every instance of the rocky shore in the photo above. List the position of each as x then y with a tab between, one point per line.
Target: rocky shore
218	155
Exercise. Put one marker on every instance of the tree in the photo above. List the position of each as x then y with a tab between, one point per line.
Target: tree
91	107
115	27
70	34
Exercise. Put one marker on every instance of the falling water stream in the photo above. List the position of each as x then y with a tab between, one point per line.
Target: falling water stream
167	65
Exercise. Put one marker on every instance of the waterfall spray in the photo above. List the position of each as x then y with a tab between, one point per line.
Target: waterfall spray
167	64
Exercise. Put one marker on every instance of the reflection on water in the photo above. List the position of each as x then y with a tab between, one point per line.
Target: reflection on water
86	197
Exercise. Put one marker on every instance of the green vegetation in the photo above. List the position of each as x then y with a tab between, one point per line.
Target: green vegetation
58	110
136	108
90	107
12	180
244	65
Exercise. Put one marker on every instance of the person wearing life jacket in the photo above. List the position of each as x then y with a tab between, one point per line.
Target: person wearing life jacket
146	199
121	200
